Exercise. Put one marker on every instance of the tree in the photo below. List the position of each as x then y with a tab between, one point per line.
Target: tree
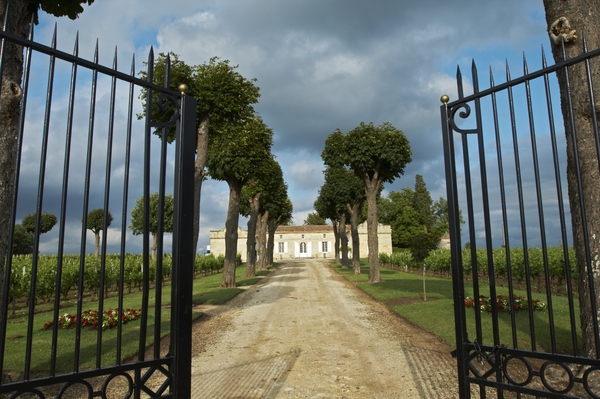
567	21
279	212
347	191
313	219
137	218
377	155
331	203
267	178
22	241
96	223
47	222
224	97
234	157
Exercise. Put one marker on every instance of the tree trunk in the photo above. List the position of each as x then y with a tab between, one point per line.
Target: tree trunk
272	225
10	113
200	163
262	241
354	210
251	241
336	244
582	16
371	190
96	242
154	245
343	239
231	233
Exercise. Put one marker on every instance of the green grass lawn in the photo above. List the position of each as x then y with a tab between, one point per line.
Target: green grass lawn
437	313
205	290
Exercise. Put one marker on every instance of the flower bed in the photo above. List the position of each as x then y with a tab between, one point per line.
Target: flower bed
89	319
503	303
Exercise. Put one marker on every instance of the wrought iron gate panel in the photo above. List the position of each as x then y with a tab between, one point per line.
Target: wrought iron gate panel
85	143
505	158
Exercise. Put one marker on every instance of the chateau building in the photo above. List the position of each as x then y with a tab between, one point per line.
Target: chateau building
293	242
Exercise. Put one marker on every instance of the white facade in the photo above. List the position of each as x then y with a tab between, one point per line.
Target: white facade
294	242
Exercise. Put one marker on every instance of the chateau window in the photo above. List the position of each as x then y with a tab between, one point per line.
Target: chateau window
281	248
303	236
302	247
281	236
324	236
324	246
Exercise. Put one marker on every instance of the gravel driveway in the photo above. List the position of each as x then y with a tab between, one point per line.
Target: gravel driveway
304	332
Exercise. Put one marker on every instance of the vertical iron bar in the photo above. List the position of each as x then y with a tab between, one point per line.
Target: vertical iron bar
124	209
504	210
40	200
161	217
456	256
540	206
520	199
63	210
146	219
470	216
183	251
487	223
561	210
107	175
86	199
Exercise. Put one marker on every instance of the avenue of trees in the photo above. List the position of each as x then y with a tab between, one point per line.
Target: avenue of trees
376	155
233	145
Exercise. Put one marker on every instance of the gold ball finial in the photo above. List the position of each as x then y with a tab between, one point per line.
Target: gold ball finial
444	99
183	88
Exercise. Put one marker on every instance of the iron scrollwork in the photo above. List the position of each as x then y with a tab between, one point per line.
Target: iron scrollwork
537	376
463	114
166	102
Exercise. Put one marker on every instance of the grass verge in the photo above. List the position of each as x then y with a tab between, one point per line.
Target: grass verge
403	293
205	290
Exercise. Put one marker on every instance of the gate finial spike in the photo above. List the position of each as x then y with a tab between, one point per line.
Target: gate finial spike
444	99
183	88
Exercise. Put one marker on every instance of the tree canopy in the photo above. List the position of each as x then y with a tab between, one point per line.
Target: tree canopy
95	223
47	222
137	217
376	154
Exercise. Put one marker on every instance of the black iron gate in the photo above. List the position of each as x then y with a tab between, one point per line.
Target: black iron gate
82	325
513	263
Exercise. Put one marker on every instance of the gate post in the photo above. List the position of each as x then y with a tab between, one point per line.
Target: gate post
183	251
455	251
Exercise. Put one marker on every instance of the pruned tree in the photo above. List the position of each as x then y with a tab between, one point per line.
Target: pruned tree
265	180
137	218
234	157
568	21
224	97
97	223
377	155
47	222
276	208
280	214
347	191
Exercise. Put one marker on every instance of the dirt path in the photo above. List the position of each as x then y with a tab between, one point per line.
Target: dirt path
304	332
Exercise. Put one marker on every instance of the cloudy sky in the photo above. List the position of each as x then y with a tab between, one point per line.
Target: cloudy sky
320	65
